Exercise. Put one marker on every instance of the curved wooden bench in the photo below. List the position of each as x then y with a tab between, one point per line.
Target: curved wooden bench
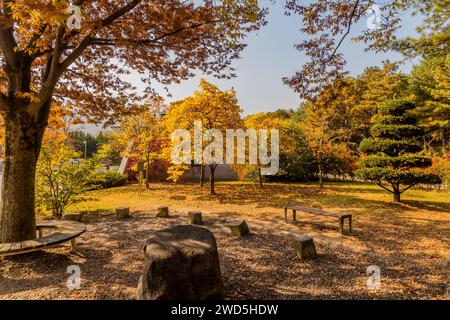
64	231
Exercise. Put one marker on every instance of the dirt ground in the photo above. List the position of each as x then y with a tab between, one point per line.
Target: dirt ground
409	242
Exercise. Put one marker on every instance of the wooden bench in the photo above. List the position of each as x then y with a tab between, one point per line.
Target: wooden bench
64	231
341	216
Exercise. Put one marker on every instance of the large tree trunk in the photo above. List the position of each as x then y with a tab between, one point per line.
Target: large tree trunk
212	168
22	147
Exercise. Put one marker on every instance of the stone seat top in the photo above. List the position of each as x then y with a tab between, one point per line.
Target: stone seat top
64	231
179	238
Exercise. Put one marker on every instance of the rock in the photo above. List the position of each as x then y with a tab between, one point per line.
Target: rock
238	228
195	217
72	216
181	263
163	212
123	212
304	247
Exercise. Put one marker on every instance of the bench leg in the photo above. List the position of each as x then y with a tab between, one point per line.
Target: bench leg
341	226
350	223
285	215
294	216
39	231
73	244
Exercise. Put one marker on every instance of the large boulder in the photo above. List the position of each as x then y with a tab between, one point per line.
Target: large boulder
181	263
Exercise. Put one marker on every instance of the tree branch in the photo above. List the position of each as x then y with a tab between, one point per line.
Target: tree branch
76	53
52	76
112	42
407	188
350	23
385	188
36	35
7	40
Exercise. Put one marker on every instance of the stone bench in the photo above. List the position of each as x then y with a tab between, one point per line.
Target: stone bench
64	231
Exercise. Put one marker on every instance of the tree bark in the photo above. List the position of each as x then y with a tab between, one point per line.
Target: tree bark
147	173
260	177
22	147
320	175
202	175
396	192
26	120
212	168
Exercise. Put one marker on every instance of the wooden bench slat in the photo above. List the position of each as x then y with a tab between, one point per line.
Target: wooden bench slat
16	246
31	244
4	248
65	231
317	211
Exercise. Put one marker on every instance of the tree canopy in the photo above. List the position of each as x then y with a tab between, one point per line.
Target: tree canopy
85	70
214	109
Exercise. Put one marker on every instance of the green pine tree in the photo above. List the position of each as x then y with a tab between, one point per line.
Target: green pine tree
430	84
394	153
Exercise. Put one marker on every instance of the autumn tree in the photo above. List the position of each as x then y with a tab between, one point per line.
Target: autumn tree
214	109
297	161
60	179
441	167
45	59
393	154
326	125
143	136
261	121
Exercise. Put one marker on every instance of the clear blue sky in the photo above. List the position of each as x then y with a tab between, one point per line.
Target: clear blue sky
270	55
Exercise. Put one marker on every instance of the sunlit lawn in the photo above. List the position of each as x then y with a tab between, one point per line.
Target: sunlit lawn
358	197
419	227
408	241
